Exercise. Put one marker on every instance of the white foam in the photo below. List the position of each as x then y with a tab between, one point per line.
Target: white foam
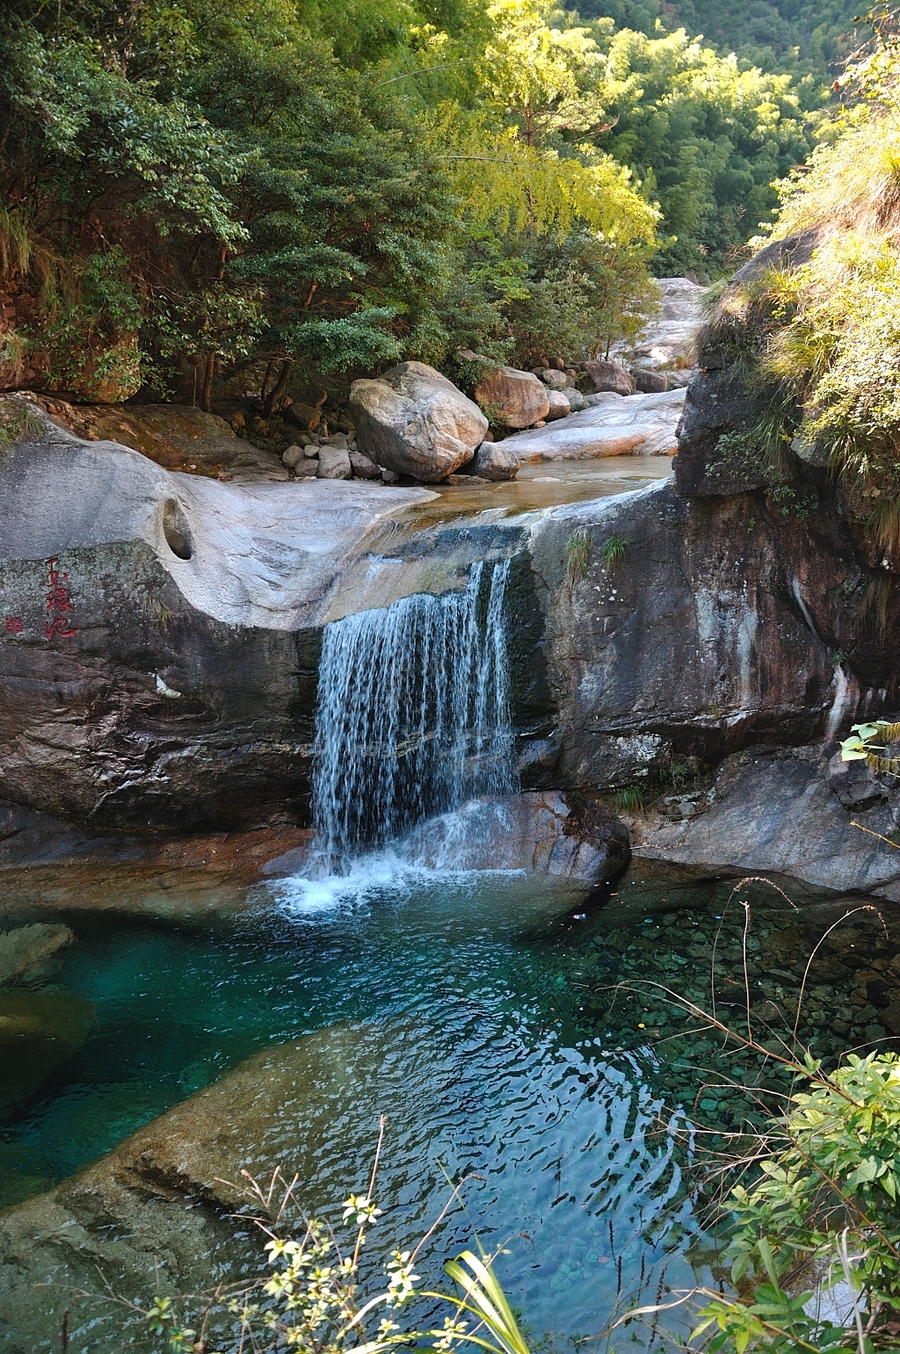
368	877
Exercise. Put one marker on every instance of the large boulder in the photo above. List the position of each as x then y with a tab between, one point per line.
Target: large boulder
639	425
553	379
515	399
612	376
415	422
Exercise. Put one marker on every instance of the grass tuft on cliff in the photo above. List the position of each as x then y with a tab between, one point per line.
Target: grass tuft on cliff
820	341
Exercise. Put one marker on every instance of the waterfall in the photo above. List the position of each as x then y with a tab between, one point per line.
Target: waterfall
412	716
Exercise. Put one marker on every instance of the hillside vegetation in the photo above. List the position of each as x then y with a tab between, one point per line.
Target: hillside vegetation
312	188
820	341
807	38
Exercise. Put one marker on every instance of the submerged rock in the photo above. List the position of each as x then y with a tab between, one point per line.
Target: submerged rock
29	948
415	422
39	1031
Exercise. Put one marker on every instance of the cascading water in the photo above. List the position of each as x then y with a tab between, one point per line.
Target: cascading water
412	716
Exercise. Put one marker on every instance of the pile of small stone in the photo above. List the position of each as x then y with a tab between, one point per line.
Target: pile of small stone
332	456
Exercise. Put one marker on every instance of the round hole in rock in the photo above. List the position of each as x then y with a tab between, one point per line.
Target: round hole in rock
176	529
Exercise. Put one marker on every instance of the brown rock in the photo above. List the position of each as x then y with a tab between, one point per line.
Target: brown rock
515	399
609	376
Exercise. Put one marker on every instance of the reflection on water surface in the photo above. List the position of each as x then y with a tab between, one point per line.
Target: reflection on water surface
475	1012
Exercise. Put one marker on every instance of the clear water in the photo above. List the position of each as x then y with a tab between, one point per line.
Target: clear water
482	1015
442	1002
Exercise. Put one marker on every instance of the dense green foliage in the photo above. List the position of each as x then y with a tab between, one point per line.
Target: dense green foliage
328	185
807	39
824	1210
821	341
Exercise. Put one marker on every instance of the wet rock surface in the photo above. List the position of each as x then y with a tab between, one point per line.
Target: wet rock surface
541	832
794	811
663	638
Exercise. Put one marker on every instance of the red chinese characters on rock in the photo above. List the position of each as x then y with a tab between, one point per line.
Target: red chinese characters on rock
14	625
59	603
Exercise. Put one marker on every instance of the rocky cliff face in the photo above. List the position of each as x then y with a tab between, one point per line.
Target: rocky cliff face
159	632
700	626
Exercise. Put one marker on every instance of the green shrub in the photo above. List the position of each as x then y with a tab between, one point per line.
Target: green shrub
824	1209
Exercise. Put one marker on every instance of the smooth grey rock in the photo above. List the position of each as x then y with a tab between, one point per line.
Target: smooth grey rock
334	462
494	461
575	399
293	455
715	628
613	376
515	399
556	380
308	468
542	832
559	406
670	338
363	468
649	382
777	812
642	425
415	422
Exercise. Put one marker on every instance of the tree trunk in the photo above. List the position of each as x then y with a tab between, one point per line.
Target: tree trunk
206	397
278	389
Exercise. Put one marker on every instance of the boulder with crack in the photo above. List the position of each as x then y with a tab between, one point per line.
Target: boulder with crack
412	420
